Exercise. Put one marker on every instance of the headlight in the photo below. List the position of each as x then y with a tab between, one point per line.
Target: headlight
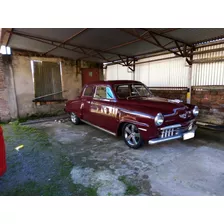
196	111
159	119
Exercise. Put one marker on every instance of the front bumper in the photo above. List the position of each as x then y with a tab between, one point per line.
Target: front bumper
176	136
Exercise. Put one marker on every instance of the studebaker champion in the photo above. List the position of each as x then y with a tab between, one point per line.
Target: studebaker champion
129	109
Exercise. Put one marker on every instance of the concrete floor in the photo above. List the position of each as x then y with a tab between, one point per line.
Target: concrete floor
104	162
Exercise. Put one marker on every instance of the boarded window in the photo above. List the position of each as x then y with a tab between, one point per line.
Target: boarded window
47	80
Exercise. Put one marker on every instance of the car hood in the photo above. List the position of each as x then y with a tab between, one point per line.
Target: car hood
162	105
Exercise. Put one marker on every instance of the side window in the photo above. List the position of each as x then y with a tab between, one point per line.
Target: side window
88	91
104	92
123	91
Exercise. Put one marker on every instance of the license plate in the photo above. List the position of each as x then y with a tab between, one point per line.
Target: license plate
188	135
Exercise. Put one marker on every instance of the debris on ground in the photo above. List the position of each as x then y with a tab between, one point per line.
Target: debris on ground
19	147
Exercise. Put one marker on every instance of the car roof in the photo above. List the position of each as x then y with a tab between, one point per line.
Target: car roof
114	82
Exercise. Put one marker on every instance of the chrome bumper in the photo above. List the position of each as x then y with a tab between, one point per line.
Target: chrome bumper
178	136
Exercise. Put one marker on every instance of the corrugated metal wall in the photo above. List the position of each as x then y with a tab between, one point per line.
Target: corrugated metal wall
118	72
165	73
173	72
208	71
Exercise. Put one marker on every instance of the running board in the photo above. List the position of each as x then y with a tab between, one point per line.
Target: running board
102	129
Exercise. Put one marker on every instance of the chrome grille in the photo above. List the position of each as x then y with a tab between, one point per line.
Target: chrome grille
168	132
173	130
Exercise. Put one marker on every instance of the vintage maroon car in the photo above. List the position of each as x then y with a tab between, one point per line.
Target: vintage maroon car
2	154
129	109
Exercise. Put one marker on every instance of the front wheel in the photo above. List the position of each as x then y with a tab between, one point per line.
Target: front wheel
74	119
132	136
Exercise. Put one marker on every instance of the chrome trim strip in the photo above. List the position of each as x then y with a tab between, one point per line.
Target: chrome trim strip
142	129
171	126
102	129
159	140
137	113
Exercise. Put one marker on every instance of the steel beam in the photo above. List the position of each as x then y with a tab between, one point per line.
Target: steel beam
151	42
122	45
64	42
5	36
51	42
137	40
189	57
60	45
167	37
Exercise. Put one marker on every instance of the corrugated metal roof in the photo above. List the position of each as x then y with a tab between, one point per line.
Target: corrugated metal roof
104	45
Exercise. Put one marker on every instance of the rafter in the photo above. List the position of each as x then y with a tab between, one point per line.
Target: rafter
51	42
58	44
151	42
136	40
165	36
64	42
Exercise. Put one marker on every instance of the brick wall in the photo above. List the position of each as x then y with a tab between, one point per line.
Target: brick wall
210	100
4	109
170	94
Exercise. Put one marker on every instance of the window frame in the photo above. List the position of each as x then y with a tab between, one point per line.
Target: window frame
93	88
129	87
41	99
104	99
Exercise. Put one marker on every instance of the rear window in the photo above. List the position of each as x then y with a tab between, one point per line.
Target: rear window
88	91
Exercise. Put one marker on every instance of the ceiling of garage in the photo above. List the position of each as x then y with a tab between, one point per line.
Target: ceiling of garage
106	45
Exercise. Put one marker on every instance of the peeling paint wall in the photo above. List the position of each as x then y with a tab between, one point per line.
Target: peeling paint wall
4	108
24	87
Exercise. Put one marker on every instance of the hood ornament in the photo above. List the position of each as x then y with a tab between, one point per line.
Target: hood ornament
184	116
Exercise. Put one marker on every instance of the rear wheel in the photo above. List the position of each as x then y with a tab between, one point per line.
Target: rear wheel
132	136
74	119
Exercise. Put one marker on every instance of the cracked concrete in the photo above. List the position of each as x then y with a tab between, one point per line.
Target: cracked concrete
193	167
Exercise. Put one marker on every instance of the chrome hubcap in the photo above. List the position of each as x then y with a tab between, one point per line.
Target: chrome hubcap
132	134
73	118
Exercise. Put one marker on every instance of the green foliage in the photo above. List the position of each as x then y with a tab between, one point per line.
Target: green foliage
131	189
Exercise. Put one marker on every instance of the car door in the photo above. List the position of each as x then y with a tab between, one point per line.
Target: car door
103	108
86	100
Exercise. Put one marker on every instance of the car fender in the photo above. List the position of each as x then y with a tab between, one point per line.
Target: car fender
144	122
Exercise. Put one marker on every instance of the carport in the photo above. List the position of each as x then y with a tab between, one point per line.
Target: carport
109	45
112	46
128	48
59	158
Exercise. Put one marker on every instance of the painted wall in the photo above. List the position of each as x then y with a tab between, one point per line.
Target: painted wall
4	109
24	86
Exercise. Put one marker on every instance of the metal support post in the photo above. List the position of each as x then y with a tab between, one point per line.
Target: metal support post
189	84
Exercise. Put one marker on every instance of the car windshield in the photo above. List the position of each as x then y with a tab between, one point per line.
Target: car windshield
132	90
